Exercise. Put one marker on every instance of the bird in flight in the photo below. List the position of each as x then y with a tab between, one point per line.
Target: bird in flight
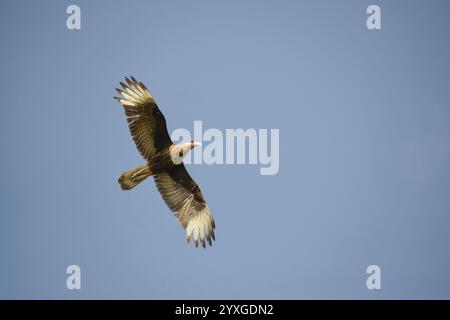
164	162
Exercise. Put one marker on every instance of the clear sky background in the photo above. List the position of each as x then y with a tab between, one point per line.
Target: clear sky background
364	121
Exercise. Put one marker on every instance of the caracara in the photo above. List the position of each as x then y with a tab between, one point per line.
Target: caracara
164	162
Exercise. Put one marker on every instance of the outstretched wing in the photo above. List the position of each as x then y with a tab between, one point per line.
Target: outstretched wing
146	122
183	196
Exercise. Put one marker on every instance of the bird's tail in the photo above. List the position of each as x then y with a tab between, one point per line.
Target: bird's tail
130	179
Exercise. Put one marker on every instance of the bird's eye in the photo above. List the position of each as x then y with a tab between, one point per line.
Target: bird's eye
180	153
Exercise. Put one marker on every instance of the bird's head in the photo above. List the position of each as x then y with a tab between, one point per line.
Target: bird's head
180	150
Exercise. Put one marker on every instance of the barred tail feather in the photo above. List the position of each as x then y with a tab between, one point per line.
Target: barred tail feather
130	179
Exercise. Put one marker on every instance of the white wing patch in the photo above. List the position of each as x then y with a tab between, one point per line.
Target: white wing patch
201	226
134	94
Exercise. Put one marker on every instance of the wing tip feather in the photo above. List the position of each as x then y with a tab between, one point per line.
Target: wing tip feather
134	93
201	229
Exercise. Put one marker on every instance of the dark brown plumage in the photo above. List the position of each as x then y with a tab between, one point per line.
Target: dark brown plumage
164	161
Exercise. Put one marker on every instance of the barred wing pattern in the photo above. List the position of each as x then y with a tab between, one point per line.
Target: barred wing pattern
146	122
182	196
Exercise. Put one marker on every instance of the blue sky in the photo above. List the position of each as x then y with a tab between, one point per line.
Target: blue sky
364	149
